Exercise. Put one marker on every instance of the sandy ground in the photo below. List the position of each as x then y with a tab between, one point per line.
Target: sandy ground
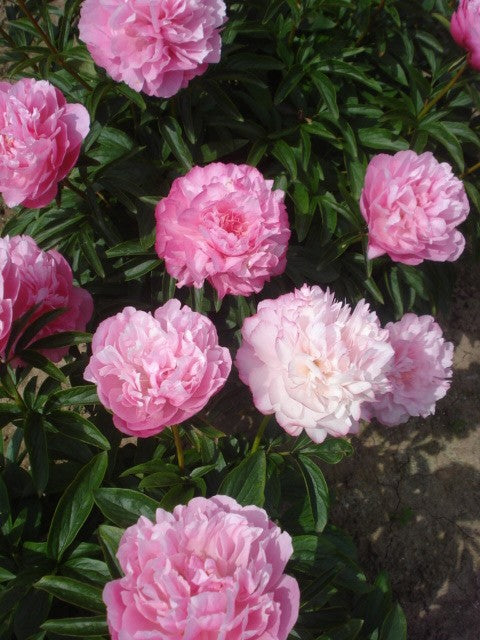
410	496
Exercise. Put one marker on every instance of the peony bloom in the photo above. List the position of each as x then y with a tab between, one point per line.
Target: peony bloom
419	374
211	570
223	223
156	371
465	29
412	204
155	46
32	278
40	140
313	361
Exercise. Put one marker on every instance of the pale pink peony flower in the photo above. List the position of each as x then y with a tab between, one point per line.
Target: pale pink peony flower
313	361
465	29
31	278
211	570
419	374
223	223
40	140
156	371
412	204
155	46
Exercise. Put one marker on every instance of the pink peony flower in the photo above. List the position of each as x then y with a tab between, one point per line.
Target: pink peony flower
465	29
40	140
155	46
29	278
313	361
419	374
212	570
156	371
223	223
412	204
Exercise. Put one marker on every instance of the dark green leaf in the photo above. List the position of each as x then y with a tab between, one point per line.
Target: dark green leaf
85	394
110	539
78	627
172	132
246	482
76	426
36	445
124	506
39	361
85	596
317	491
75	505
395	625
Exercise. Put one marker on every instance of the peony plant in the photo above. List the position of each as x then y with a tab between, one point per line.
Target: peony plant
281	184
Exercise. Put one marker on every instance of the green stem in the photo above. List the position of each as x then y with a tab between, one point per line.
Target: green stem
260	432
470	170
179	447
429	104
73	188
373	15
51	46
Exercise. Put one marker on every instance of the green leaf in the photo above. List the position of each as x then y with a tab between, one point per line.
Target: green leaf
39	361
132	95
327	90
78	627
347	631
124	506
31	611
77	427
448	140
85	394
164	478
382	139
75	505
395	625
90	569
317	491
36	445
288	83
5	516
246	482
34	328
89	250
111	145
85	596
180	494
62	339
334	450
141	269
284	154
351	71
172	132
109	540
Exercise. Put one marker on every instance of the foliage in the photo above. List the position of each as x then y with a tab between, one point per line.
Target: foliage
306	91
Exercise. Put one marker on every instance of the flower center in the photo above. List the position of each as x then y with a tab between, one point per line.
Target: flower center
232	222
7	142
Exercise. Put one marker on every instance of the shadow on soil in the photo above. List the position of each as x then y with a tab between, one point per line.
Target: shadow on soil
410	496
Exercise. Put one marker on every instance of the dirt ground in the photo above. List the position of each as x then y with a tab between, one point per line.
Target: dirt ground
410	496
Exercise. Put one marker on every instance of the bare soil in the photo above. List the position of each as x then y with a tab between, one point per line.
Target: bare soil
410	496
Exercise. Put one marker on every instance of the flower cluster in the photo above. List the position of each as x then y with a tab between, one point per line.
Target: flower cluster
223	223
40	140
465	29
211	569
154	371
36	281
412	205
155	46
313	361
419	373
